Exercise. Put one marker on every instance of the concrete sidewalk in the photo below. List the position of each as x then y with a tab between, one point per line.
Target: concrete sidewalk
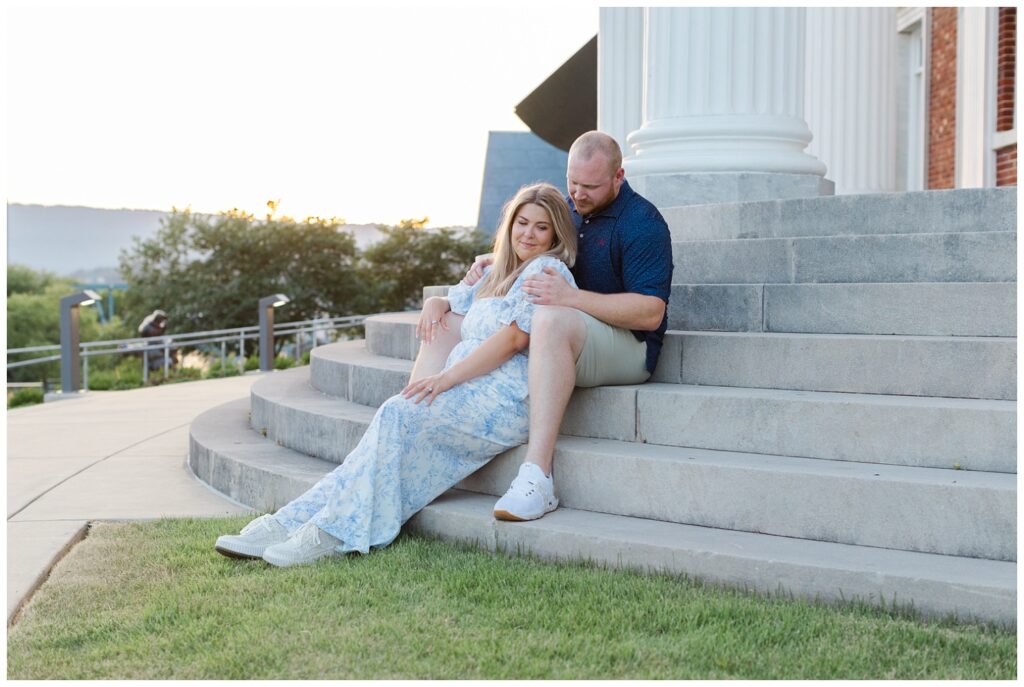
109	455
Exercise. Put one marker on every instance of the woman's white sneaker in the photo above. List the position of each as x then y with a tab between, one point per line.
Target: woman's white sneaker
531	496
254	538
308	544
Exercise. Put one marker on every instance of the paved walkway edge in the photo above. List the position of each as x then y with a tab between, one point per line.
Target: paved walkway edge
14	610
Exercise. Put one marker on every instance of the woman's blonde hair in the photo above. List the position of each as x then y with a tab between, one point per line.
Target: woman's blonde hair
507	265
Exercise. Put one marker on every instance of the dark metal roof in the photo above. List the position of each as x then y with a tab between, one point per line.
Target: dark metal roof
565	105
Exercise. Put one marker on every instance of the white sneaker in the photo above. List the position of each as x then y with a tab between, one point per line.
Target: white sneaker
531	495
308	544
254	538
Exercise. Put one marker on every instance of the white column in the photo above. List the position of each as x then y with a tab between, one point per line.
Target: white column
851	97
723	108
972	98
620	70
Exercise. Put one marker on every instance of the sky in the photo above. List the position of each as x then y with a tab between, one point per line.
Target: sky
370	114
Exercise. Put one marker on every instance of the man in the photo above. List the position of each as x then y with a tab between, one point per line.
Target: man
609	331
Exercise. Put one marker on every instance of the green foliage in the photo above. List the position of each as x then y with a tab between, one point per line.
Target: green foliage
305	358
229	369
33	319
283	362
409	258
126	374
252	363
25	397
208	272
22	279
153	601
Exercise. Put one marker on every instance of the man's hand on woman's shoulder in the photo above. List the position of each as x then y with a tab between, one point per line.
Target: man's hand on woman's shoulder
476	272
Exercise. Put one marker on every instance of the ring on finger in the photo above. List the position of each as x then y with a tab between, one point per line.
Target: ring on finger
433	322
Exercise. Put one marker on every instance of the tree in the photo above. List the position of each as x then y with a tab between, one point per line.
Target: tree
33	319
208	272
410	257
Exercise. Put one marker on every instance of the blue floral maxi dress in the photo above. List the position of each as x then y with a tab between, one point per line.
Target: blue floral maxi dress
412	453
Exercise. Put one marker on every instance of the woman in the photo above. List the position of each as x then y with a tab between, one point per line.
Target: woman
440	428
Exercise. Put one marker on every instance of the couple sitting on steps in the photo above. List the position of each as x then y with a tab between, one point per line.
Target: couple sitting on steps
582	281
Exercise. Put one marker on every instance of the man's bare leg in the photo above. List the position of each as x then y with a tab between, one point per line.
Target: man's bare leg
557	336
432	356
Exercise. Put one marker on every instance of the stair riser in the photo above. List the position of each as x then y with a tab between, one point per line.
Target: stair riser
450	518
368	386
938	437
913	309
946	519
975	257
959	210
976	439
951	368
962	367
309	433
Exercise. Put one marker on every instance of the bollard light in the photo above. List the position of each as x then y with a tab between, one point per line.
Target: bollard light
70	358
267	305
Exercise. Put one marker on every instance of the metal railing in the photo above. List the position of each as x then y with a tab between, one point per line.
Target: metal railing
174	342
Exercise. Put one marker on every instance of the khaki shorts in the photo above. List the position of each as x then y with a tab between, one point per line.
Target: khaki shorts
611	355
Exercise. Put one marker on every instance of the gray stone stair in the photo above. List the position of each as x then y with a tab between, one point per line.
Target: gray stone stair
989	256
901	430
925	212
833	414
921	309
949	366
232	458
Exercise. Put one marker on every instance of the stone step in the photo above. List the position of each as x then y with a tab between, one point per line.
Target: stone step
954	367
233	459
989	256
921	309
940	511
927	212
936	432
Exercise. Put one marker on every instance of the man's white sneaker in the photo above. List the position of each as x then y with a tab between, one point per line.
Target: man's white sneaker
531	495
254	538
308	544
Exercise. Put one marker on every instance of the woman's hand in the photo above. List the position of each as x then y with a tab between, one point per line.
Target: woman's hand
431	317
427	388
476	272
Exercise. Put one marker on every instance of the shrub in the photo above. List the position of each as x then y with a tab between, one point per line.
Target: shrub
25	397
283	362
229	369
252	363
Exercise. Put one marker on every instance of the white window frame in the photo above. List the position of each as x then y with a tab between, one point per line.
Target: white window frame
997	140
910	20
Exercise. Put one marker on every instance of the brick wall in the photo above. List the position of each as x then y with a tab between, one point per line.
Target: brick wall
942	99
1006	166
1006	79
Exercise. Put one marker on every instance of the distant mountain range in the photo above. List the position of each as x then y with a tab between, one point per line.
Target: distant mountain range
85	243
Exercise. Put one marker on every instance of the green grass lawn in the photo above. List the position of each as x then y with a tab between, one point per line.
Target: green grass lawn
153	600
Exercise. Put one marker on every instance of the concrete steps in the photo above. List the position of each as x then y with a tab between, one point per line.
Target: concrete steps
925	212
901	430
833	414
988	256
955	367
255	470
942	511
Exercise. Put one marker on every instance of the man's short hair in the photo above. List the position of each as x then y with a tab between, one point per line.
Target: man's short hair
593	142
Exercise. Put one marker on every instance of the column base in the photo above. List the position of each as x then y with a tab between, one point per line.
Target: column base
706	188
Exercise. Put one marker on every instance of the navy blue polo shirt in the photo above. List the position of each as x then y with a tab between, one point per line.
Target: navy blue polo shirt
626	247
